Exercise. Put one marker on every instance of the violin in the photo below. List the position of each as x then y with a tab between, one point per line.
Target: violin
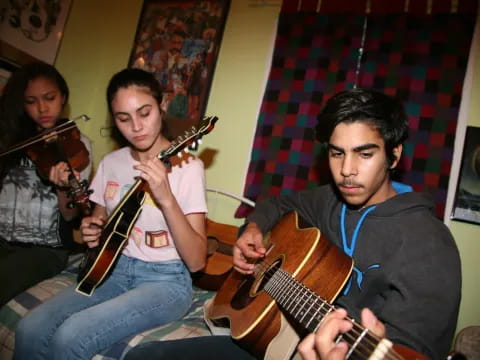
61	143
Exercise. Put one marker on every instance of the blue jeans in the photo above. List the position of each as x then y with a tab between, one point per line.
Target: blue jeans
137	296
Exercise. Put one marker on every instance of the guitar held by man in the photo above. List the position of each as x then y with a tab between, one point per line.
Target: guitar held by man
295	257
400	255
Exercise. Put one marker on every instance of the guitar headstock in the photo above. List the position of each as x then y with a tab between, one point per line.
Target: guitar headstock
190	138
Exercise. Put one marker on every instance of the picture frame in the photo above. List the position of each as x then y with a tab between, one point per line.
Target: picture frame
467	197
179	41
6	69
32	30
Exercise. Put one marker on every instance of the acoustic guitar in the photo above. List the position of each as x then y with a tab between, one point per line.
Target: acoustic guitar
300	276
220	241
98	261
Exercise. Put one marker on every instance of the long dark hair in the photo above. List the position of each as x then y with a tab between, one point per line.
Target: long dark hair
138	77
15	124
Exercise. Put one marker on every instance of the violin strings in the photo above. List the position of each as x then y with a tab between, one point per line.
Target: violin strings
57	130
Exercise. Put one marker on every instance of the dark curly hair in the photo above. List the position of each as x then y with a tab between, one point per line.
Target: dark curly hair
384	113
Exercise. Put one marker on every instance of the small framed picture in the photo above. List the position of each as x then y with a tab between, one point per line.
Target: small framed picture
179	41
6	69
33	28
467	198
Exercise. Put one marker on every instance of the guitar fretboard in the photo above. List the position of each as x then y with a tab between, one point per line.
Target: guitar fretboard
309	310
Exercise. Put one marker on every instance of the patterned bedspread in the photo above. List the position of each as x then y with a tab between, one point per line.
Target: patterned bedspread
190	325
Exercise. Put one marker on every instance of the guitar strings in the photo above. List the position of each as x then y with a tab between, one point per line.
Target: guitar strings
282	286
352	337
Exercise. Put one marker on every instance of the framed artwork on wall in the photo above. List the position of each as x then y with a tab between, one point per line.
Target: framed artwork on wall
32	29
6	69
467	196
179	41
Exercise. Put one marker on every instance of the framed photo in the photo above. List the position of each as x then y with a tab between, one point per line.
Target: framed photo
33	28
179	40
467	197
6	69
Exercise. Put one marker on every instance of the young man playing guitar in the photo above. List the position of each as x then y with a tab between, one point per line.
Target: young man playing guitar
406	264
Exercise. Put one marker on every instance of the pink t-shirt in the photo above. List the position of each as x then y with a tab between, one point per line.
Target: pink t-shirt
150	238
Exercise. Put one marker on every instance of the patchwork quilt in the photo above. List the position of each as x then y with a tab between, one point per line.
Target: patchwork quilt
191	325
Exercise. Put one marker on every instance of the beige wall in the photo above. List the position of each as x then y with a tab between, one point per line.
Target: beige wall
97	42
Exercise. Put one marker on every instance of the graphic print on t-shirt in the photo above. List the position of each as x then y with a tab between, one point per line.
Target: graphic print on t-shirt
149	200
111	190
124	190
137	235
156	239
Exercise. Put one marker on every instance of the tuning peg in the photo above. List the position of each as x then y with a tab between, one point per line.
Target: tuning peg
199	140
186	150
179	154
193	146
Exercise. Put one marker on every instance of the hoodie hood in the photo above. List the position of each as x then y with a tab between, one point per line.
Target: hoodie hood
402	204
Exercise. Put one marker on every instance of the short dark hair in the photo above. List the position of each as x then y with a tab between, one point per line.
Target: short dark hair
384	113
133	77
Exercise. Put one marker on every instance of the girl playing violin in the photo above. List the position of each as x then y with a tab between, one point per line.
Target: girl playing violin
35	222
150	285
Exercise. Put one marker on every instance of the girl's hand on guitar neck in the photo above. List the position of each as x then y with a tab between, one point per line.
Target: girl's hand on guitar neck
91	229
248	248
322	344
155	173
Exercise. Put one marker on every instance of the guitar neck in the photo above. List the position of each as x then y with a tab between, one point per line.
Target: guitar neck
309	310
135	190
189	138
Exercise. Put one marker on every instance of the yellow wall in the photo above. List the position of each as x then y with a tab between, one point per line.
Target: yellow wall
97	43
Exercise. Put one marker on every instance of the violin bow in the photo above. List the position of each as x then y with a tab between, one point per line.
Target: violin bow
44	136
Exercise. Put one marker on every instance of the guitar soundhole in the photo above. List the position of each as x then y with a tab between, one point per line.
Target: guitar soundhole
265	276
212	245
251	286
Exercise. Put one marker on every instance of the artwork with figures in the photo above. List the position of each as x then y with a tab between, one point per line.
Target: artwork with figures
179	42
33	28
467	198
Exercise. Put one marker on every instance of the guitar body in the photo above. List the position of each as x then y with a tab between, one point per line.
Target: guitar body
408	354
304	253
99	260
220	241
